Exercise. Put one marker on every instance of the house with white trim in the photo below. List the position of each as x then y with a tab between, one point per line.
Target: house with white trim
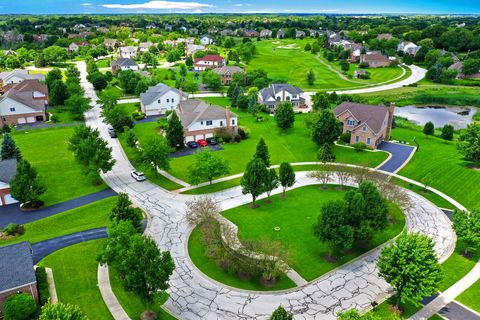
277	93
159	99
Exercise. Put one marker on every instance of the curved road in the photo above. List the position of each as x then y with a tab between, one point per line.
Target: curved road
193	296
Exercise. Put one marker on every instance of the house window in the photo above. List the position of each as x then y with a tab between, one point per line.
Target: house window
209	122
278	98
201	122
221	123
294	96
357	138
368	140
288	98
364	128
350	122
168	100
233	122
12	109
172	99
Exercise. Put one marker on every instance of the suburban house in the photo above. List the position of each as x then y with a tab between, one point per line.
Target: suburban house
17	76
110	43
274	94
227	32
360	73
129	52
281	34
159	99
201	120
193	31
144	46
206	40
74	46
375	59
385	36
370	124
300	34
210	61
251	34
408	47
191	48
16	272
226	73
8	168
355	52
458	66
123	64
23	102
265	33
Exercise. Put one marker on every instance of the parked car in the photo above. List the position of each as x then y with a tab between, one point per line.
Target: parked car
202	143
192	144
112	132
138	175
212	141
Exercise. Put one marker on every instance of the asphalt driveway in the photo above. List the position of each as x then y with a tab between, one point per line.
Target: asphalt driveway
189	151
400	155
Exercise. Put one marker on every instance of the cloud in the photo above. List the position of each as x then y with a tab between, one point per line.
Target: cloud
86	4
162	5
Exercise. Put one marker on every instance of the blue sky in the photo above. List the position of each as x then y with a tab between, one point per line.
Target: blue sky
240	6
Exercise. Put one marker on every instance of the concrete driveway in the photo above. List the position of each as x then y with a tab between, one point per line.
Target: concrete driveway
400	156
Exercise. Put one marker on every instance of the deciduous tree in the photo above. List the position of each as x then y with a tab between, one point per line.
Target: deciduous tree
156	153
286	176
123	211
469	143
447	132
254	178
284	115
467	227
262	152
428	129
207	166
26	186
271	182
326	129
281	314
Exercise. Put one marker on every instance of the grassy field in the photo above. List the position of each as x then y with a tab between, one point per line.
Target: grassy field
104	63
64	115
130	302
451	174
129	108
296	216
470	297
75	274
90	216
46	150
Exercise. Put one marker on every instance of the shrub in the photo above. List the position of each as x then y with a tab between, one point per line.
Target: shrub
237	138
54	118
345	137
14	229
363	65
359	146
243	133
138	115
42	285
19	307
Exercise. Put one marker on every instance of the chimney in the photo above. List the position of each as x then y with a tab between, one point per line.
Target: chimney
391	110
227	118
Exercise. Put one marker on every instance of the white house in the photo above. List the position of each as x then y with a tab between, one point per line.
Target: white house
17	76
144	46
129	52
210	61
408	47
201	120
7	171
123	64
274	94
159	99
206	40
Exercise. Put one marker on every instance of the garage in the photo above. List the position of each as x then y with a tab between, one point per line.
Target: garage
30	119
189	138
21	120
9	199
199	137
208	135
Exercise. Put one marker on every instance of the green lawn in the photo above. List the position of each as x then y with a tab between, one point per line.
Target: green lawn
46	150
90	216
129	108
104	63
449	171
130	302
75	274
470	297
64	115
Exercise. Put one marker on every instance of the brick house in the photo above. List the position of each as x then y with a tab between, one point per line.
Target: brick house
201	120
226	73
274	94
375	59
370	124
459	67
8	168
210	61
24	102
16	272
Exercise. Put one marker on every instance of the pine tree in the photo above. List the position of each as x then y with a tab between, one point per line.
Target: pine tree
262	152
174	132
9	148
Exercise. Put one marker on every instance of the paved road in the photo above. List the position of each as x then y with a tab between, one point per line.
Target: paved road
400	155
194	296
455	311
12	213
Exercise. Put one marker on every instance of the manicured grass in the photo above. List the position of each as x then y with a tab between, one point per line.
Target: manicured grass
429	195
47	150
63	115
90	216
296	216
457	266
75	274
130	302
449	171
196	251
470	297
384	310
104	63
215	187
170	76
129	108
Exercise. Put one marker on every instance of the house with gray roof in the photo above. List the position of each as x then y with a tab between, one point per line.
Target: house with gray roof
17	76
8	168
276	93
159	99
122	64
202	120
226	73
370	124
16	272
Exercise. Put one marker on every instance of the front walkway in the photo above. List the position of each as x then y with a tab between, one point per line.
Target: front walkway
401	154
13	214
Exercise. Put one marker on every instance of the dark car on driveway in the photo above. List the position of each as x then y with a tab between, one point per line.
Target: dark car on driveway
192	144
212	141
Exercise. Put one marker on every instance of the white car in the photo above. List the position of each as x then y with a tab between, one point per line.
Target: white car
138	176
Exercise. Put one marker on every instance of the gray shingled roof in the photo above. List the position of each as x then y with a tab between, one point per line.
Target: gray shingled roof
16	266
270	91
125	62
7	169
21	73
192	111
372	115
225	69
153	93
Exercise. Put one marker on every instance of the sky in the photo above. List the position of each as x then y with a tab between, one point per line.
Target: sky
239	6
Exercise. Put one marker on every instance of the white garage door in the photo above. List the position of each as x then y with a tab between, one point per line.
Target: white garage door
198	137
30	119
208	135
9	199
21	120
189	138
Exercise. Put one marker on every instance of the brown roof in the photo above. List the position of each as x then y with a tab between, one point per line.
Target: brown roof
191	111
375	56
227	69
28	85
372	115
23	93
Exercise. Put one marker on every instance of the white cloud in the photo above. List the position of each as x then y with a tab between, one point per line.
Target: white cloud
238	5
86	4
162	5
198	11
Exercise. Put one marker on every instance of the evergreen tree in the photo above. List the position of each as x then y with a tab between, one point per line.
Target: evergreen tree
325	153
254	178
271	182
447	132
61	311
311	77
262	152
174	132
9	148
286	176
284	115
428	129
26	186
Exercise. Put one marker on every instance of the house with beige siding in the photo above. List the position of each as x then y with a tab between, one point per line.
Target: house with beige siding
370	124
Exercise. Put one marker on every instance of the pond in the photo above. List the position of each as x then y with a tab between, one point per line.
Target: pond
458	117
